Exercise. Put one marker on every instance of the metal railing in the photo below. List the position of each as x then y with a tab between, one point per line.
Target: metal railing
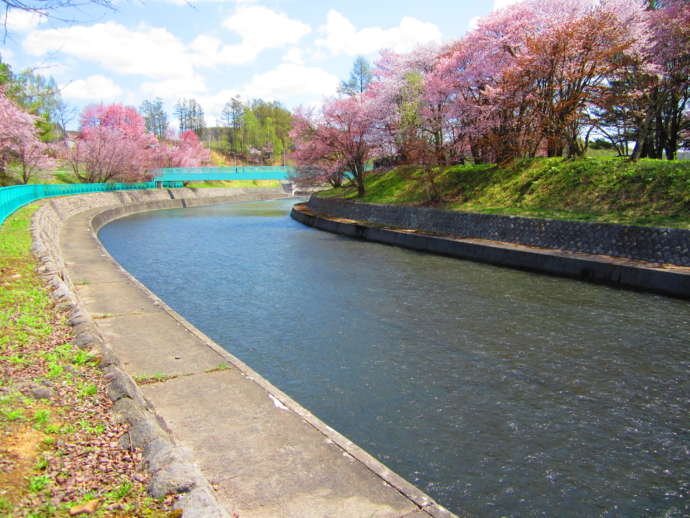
16	196
200	174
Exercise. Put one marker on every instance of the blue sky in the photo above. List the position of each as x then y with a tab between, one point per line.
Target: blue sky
293	51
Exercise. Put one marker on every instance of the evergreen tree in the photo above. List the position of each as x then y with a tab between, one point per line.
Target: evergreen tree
38	95
360	77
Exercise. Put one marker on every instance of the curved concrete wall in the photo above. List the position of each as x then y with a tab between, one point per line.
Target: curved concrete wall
606	270
212	417
658	245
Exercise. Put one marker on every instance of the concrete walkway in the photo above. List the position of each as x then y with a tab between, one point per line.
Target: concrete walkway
264	454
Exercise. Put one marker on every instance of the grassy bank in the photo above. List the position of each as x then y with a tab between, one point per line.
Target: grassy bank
649	192
59	442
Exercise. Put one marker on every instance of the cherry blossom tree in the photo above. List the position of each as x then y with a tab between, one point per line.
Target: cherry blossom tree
537	77
112	145
20	148
190	151
528	74
341	137
317	164
414	99
31	156
187	151
660	96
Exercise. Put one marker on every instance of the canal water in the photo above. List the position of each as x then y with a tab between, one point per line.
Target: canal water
498	392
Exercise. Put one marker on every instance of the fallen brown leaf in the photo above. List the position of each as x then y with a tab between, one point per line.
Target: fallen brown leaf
87	508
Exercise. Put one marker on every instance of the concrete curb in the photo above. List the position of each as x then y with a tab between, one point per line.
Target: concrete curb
172	470
171	467
621	273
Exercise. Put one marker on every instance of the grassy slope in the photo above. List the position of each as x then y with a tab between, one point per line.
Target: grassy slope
60	452
649	192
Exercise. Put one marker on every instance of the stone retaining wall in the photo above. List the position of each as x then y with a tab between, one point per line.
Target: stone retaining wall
613	271
658	245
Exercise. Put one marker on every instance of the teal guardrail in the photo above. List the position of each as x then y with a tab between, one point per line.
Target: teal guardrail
16	196
202	174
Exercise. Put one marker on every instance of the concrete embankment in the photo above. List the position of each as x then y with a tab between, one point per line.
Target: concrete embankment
622	272
211	428
657	245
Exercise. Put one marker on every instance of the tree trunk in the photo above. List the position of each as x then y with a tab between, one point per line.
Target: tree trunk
433	194
554	146
476	154
360	186
643	134
358	176
438	148
674	126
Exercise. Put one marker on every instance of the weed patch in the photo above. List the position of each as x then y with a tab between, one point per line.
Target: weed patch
59	442
155	378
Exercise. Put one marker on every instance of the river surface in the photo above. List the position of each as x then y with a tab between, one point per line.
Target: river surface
498	392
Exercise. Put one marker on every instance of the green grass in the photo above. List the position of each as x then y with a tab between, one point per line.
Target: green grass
234	184
154	378
60	175
23	302
648	192
601	153
35	346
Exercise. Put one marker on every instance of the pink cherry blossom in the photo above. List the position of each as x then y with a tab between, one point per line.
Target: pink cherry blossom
20	148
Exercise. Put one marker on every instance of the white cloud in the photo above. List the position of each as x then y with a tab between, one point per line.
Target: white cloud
194	2
500	4
93	88
148	51
342	37
259	29
291	80
173	89
156	53
53	68
294	55
20	21
262	28
213	104
206	50
474	22
289	83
